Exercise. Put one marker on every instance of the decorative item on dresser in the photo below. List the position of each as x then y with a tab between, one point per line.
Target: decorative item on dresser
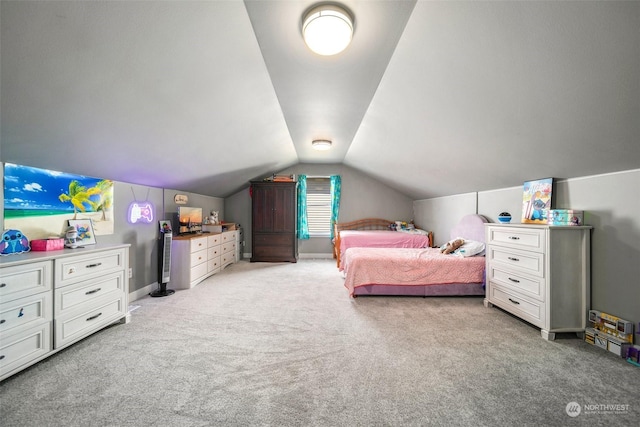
50	300
198	256
541	274
273	221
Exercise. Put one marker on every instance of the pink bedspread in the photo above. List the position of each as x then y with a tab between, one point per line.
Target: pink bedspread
379	239
428	266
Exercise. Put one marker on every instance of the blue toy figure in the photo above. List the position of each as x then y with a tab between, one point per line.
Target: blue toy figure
13	242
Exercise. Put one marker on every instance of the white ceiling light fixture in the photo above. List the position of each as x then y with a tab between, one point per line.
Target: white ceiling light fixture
321	144
327	29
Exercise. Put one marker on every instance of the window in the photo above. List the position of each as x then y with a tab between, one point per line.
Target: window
319	206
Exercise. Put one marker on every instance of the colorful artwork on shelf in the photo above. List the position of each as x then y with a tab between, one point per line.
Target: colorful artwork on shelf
40	202
537	201
85	232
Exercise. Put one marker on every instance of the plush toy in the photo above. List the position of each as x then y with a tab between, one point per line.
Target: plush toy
451	246
13	242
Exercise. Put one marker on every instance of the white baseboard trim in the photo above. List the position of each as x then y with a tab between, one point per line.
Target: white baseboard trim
314	256
143	292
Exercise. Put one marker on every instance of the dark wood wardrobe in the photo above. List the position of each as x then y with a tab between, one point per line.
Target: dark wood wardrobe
273	221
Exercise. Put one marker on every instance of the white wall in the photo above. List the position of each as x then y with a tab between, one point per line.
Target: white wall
440	214
207	203
611	203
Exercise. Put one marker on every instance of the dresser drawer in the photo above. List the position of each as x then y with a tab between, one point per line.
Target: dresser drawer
198	257
199	270
228	247
526	262
213	252
71	269
519	238
228	236
23	280
227	258
213	265
70	328
528	285
82	293
271	239
25	312
531	311
213	240
197	244
19	349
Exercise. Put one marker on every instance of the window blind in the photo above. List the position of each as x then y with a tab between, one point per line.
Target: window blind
319	206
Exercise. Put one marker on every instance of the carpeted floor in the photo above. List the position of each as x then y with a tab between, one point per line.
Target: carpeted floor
283	345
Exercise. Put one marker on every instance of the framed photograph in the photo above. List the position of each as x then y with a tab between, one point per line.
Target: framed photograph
537	200
84	227
165	226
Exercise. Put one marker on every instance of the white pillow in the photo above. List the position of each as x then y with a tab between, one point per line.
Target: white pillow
470	248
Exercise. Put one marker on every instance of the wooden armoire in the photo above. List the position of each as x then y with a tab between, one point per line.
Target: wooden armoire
273	221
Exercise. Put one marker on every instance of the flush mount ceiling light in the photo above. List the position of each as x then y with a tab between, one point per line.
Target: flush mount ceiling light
321	144
327	29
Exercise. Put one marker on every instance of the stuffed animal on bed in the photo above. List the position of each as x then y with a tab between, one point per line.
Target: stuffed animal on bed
451	246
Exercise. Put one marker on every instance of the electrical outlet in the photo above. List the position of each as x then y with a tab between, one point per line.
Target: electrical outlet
130	273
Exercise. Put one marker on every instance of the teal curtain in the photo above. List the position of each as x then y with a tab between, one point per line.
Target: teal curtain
336	186
303	222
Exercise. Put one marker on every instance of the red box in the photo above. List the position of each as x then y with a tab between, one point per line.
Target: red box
47	244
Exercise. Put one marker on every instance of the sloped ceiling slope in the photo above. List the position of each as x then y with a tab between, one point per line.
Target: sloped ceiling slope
432	97
167	94
486	95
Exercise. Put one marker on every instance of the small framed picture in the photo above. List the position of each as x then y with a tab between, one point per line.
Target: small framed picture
165	226
84	227
537	200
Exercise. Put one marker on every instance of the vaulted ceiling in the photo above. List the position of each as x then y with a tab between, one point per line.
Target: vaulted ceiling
432	98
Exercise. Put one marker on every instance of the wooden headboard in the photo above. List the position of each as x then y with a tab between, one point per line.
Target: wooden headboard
360	224
363	224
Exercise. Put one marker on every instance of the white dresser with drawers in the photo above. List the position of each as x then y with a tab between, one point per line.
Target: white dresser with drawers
541	274
50	300
196	257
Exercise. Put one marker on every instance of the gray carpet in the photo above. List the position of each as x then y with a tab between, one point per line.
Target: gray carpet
284	345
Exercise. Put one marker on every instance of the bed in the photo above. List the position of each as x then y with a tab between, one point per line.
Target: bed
375	233
418	271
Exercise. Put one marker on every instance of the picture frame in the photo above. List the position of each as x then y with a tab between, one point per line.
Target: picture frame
537	201
165	226
84	227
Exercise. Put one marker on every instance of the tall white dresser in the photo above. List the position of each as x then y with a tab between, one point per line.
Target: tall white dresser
541	274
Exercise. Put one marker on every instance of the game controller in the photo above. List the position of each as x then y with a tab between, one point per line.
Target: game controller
142	212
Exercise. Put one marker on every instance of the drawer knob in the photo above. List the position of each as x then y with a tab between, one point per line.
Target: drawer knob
92	291
94	317
1	356
2	321
2	285
514	280
97	264
514	301
513	259
514	238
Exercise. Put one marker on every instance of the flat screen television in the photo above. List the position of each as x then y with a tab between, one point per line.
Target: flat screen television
189	217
